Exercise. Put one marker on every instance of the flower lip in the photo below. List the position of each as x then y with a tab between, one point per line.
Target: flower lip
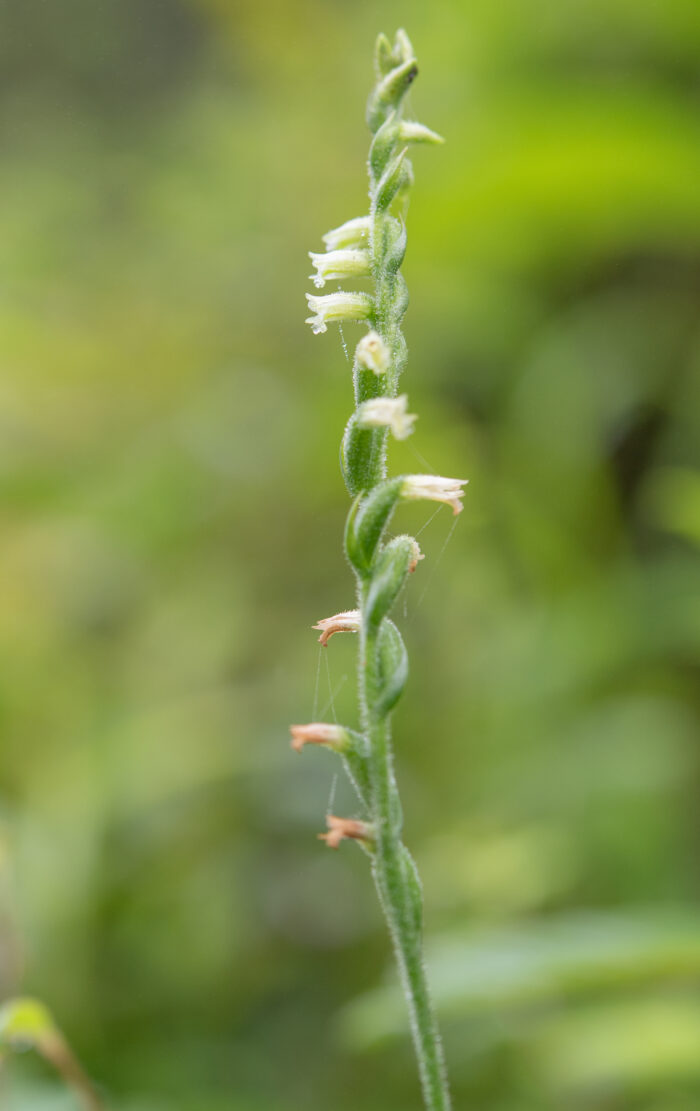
319	733
344	829
337	307
434	487
349	621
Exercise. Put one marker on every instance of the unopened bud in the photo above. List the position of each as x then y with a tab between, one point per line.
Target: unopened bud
349	621
336	265
387	412
333	307
435	488
373	354
353	233
320	733
410	131
344	829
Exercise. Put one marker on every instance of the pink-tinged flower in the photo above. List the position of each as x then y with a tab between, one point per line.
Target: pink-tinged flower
435	488
319	733
338	265
373	354
344	829
387	412
347	622
336	307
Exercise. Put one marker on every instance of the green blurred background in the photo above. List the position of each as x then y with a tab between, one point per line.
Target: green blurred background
172	513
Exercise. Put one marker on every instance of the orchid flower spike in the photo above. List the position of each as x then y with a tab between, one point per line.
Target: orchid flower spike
434	487
349	621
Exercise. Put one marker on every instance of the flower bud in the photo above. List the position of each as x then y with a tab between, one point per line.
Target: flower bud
435	488
403	47
373	354
387	412
353	233
349	621
320	733
337	307
383	55
390	92
344	829
336	265
410	131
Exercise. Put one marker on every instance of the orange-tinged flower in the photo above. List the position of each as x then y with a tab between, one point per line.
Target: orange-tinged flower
347	622
319	733
346	829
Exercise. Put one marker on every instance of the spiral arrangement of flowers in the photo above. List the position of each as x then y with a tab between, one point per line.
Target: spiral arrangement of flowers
374	246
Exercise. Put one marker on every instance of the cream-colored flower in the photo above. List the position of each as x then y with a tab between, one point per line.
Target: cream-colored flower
353	233
343	829
336	265
337	307
349	621
387	412
373	354
435	488
319	733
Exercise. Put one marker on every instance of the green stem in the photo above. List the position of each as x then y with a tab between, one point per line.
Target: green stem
397	884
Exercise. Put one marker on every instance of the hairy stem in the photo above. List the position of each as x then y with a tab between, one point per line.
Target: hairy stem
397	883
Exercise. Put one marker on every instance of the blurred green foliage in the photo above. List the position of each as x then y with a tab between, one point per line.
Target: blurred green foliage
172	512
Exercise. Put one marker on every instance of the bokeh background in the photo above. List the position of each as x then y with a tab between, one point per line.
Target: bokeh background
172	513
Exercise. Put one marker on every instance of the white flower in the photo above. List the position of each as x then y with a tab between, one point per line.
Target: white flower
339	264
373	354
319	733
353	233
349	621
435	488
337	306
387	412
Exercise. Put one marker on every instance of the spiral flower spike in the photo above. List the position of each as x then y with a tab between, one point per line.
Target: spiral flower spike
373	246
